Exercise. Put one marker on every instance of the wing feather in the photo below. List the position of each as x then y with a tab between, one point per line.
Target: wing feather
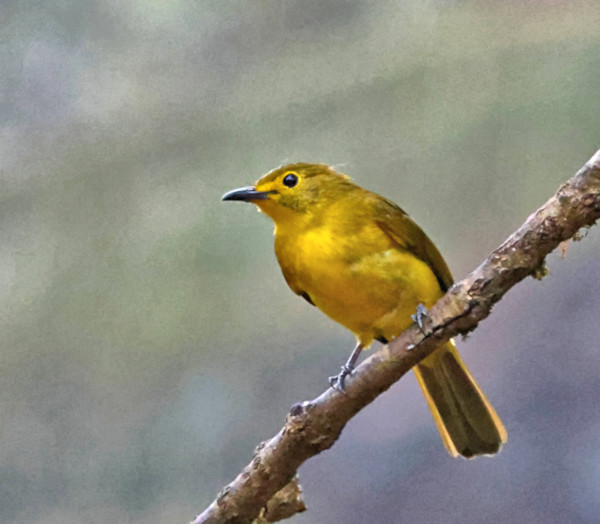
403	230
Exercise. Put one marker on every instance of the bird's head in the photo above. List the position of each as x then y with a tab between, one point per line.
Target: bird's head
288	192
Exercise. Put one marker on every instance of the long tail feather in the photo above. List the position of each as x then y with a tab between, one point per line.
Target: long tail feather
466	420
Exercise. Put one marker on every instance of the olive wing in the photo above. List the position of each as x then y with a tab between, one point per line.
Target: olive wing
403	230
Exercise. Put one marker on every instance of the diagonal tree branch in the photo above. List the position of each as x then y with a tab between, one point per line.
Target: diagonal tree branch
315	425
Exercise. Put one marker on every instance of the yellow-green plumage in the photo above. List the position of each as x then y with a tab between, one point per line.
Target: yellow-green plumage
363	262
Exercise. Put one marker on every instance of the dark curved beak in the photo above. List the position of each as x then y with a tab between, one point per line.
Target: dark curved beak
246	194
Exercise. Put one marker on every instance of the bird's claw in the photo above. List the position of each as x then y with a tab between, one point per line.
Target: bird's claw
337	381
419	317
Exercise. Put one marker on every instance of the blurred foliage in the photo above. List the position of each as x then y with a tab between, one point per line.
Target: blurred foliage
148	339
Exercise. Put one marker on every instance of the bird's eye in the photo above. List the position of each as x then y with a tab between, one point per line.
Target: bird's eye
290	180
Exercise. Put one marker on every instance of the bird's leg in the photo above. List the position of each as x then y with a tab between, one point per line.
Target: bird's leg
337	382
419	316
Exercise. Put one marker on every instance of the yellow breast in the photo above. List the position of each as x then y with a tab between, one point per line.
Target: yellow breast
363	280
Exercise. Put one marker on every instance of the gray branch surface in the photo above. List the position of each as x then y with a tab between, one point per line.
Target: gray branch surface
315	425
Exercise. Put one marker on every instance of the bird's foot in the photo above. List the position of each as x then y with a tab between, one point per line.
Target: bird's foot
419	317
337	381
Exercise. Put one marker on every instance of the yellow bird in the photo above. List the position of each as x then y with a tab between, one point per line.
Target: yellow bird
366	264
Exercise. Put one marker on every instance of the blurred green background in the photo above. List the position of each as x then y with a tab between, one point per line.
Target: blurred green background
149	341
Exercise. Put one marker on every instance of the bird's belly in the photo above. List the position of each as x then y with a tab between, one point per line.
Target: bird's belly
375	295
